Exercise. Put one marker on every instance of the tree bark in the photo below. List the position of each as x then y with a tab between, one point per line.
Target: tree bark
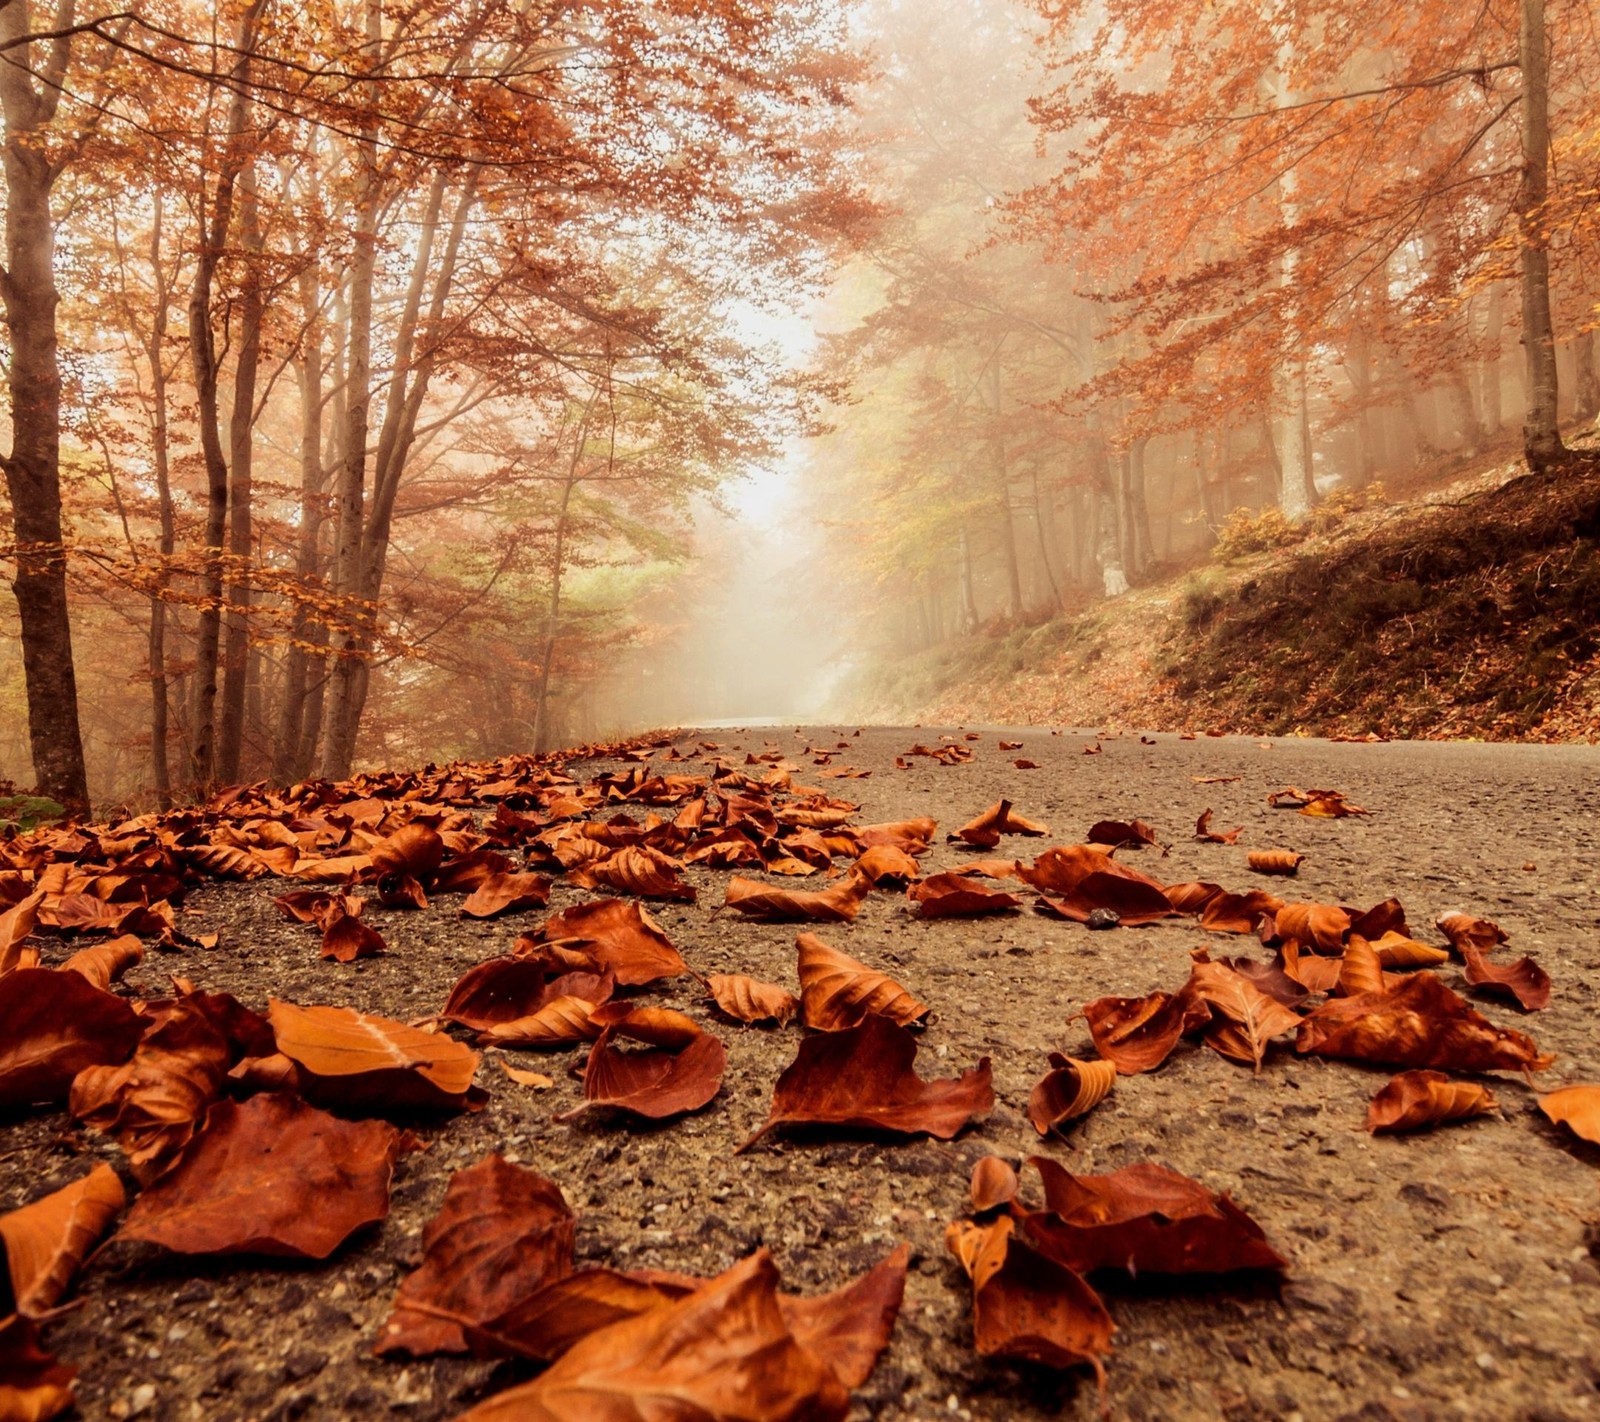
241	533
1586	382
214	230
33	466
160	441
1541	432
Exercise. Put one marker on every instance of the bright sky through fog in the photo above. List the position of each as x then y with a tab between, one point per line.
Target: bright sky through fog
760	496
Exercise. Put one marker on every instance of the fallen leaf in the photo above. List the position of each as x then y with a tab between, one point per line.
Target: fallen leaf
1238	913
1416	1100
1122	832
636	869
1204	832
34	1387
616	936
1419	1024
103	963
837	992
536	1079
356	1061
850	1327
1275	861
1027	1306
864	1079
885	863
994	1183
345	935
502	1231
502	990
1462	929
680	1069
1326	804
1134	901
1360	970
722	1352
1145	1219
16	923
52	1026
997	820
838	904
954	895
415	851
1577	1107
1071	1088
1251	1018
1137	1034
746	999
1021	764
559	1022
270	1176
1395	950
47	1241
1524	981
506	893
1320	927
912	836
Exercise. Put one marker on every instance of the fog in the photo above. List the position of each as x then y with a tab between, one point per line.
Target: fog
871	335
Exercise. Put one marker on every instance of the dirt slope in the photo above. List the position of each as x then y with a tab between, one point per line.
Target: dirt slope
1469	612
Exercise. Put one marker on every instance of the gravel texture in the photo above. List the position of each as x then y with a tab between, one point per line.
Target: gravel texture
1443	1275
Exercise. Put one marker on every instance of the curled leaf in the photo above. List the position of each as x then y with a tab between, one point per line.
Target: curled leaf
838	904
837	992
47	1241
994	1183
1138	1033
1071	1088
1275	861
680	1071
997	820
1416	1100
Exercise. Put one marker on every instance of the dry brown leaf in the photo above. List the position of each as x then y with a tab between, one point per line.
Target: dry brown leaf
536	1079
1027	1306
1395	950
1146	1219
885	863
615	936
1071	1088
837	992
501	990
1320	927
997	820
1275	861
358	1061
1416	1100
722	1352
679	1071
1138	1034
1251	1018
994	1183
16	923
1419	1024
1204	832
1524	981
103	963
270	1176
747	999
864	1079
954	895
506	893
502	1232
413	851
1463	930
636	869
47	1241
1116	832
52	1026
838	904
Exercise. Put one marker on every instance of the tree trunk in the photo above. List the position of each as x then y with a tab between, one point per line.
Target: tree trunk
1045	562
1107	534
1136	510
967	615
241	533
1541	431
1586	383
160	755
33	466
1490	396
347	679
214	230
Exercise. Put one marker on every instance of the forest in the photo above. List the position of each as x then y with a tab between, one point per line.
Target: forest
380	374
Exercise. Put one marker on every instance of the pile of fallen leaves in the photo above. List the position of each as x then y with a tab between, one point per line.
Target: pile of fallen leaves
277	1133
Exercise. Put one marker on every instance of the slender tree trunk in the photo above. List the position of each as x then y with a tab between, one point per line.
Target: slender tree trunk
160	441
1045	562
1541	431
967	618
214	229
347	680
1107	533
33	466
1136	510
1586	382
1490	394
241	533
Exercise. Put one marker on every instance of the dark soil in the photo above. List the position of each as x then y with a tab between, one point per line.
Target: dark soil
1446	1275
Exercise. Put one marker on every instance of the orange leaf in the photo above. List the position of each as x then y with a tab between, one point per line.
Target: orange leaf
34	1387
47	1241
837	992
1415	1100
953	895
838	904
994	1183
681	1074
1577	1107
1275	861
746	999
1071	1088
52	1026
